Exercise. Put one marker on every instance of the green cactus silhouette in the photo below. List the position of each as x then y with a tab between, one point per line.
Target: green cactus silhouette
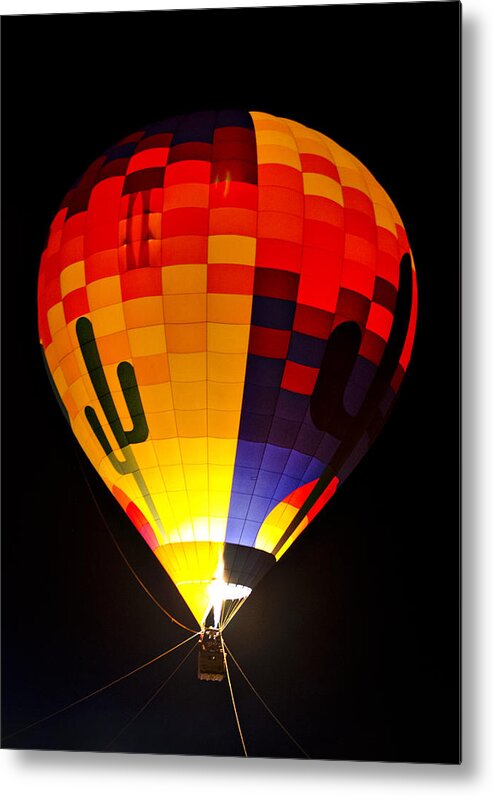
126	375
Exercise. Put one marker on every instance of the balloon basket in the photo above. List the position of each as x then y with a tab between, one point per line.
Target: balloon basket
211	665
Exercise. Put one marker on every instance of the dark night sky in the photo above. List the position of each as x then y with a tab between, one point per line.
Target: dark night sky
353	638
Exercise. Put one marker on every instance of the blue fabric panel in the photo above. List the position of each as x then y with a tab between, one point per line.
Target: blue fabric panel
273	313
292	405
308	439
283	432
275	458
259	399
285	487
327	448
297	464
234	529
165	126
266	483
313	471
254	427
259	507
264	371
196	127
358	385
238	507
249	454
249	533
122	151
306	350
244	479
234	118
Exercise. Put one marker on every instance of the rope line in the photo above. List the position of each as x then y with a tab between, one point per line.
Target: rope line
233	700
283	728
151	698
132	570
98	690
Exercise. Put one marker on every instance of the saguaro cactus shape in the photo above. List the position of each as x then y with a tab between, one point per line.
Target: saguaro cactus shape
126	375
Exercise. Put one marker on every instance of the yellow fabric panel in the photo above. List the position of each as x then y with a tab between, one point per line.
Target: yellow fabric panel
229	338
274	526
232	249
221	451
113	349
188	367
185	338
162	425
222	423
145	455
342	158
321	185
51	357
190	395
152	475
198	498
379	196
310	145
384	218
146	311
200	525
227	368
194	451
282	155
181	511
167	451
153	369
173	477
219	476
196	476
107	320
156	398
275	138
104	292
62	343
69	404
72	277
59	380
184	279
226	308
224	396
264	121
192	569
145	341
301	527
217	523
185	309
191	423
352	178
80	394
56	318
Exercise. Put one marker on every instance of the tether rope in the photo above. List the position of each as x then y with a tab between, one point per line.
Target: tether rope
233	699
98	690
117	545
283	728
151	698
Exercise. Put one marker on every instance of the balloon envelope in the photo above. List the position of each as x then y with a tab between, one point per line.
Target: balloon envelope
227	304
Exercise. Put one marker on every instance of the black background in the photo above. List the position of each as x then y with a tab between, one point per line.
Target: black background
353	638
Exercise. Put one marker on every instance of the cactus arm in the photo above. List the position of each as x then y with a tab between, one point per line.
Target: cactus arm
126	374
140	430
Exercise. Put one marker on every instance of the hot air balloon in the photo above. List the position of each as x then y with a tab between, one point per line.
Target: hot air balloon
227	305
